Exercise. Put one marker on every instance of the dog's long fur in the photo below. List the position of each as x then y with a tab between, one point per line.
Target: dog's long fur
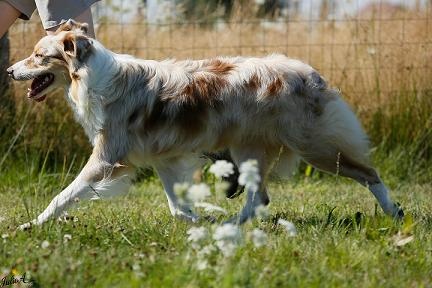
165	114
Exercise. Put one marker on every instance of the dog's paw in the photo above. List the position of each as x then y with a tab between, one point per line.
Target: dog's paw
399	213
25	226
187	215
29	225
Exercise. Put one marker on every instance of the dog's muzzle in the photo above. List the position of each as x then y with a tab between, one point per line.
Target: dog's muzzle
10	72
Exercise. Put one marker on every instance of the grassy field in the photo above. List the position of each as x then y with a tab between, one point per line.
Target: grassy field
343	239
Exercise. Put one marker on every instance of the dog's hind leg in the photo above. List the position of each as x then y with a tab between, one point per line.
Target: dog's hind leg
339	145
363	174
254	198
175	171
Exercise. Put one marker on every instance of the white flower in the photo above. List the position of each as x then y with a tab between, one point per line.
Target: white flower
222	168
197	234
198	192
206	250
227	231
140	255
202	264
227	248
136	267
67	237
259	237
181	188
227	238
202	254
249	175
137	270
5	235
45	244
208	207
262	212
289	227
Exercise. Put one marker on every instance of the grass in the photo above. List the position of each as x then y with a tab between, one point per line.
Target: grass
343	239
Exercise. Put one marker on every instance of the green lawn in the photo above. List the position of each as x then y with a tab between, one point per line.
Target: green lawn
134	242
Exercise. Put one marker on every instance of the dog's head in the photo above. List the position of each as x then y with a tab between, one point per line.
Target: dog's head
55	60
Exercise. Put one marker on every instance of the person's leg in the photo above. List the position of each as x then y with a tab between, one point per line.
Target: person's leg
8	15
85	17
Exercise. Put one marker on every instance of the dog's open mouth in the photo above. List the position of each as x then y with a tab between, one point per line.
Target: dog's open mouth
39	84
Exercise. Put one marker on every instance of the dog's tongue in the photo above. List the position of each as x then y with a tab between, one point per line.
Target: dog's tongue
38	85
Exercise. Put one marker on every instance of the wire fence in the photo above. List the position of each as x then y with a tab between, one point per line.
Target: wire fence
377	49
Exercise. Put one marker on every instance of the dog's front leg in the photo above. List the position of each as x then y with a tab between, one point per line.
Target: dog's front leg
178	171
80	188
98	179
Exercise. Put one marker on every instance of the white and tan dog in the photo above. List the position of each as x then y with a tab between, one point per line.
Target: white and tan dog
165	114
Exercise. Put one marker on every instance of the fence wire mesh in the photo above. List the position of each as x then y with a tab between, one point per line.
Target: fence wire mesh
377	47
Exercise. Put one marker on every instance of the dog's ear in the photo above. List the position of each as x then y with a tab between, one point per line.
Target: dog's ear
72	25
77	46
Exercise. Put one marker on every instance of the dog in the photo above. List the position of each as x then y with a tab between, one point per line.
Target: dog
166	114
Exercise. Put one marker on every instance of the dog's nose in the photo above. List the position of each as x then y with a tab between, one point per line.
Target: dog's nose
10	71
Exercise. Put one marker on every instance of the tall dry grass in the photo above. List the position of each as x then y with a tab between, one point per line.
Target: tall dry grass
380	61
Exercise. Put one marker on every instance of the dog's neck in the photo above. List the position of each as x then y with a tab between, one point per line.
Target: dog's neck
107	78
87	110
87	93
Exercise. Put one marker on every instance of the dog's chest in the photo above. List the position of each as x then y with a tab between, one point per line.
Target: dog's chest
89	113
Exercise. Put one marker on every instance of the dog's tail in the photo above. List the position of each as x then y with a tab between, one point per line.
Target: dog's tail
339	127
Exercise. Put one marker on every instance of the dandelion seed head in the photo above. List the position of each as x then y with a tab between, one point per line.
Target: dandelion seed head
45	244
249	175
227	238
227	231
67	238
249	166
222	168
206	251
198	192
289	227
136	267
258	237
202	256
197	234
227	248
202	264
